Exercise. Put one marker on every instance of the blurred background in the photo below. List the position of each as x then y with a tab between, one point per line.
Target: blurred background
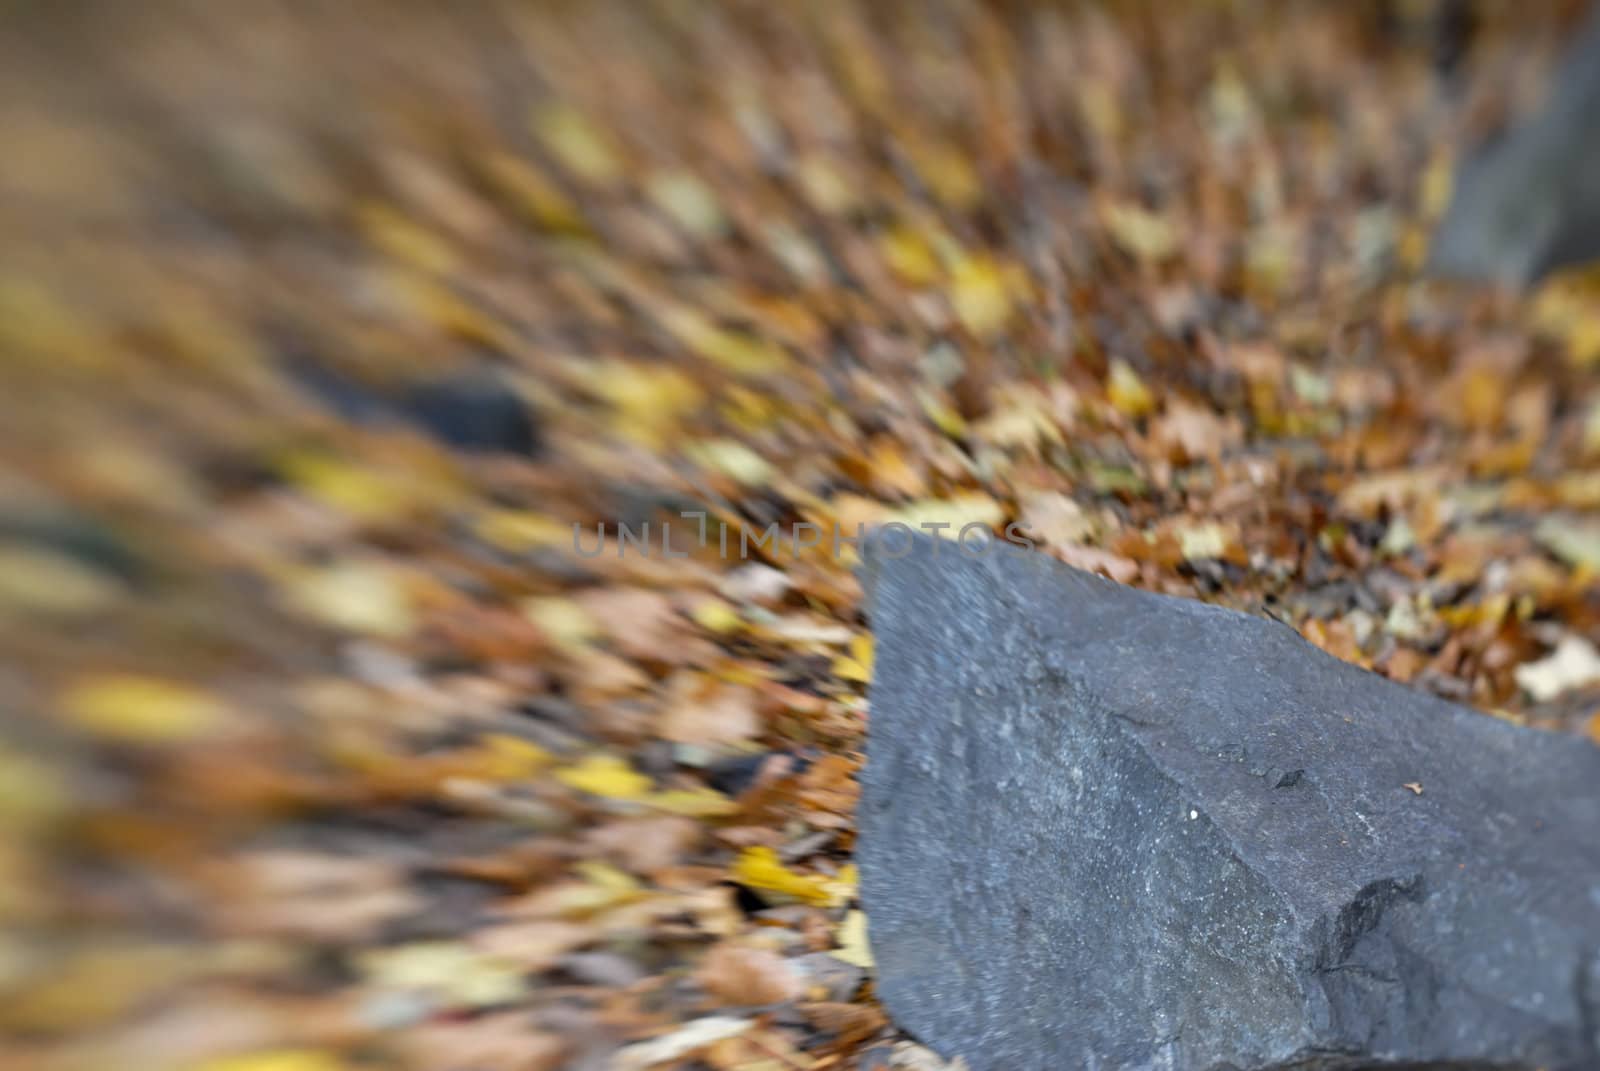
327	329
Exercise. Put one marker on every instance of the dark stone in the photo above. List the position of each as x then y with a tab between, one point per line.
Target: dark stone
475	411
731	776
1528	202
1083	843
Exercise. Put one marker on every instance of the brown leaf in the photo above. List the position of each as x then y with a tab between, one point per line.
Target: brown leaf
707	712
741	976
507	1041
643	845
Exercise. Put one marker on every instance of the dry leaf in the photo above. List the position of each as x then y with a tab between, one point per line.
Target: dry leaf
760	868
142	710
741	976
852	937
708	713
607	776
1573	664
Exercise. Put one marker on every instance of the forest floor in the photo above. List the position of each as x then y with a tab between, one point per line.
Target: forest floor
324	746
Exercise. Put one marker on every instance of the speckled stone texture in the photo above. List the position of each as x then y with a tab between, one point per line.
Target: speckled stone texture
1106	829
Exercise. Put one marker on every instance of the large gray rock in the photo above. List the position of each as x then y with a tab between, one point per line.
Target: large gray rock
1107	829
1529	202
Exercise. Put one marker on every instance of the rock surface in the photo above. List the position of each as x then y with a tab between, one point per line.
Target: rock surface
1107	829
1528	202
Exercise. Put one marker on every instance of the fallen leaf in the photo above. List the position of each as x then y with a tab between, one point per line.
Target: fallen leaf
36	580
645	844
533	945
852	939
1055	518
354	595
708	713
689	1038
1575	542
607	776
979	295
760	868
448	971
742	976
1202	541
1127	392
579	144
309	895
699	802
277	1060
857	665
1139	231
562	619
144	710
691	203
1573	664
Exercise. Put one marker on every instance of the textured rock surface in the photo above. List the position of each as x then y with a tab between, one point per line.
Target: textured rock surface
1529	201
1107	829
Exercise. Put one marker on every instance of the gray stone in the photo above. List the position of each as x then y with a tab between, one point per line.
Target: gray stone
1528	202
1107	829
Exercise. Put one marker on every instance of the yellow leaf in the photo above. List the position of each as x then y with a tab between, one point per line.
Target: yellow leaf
650	401
534	193
956	512
948	171
1140	231
1101	109
38	580
1566	308
359	492
519	531
909	256
716	616
460	975
733	459
1438	180
852	938
357	596
511	758
691	803
562	619
760	868
943	416
825	187
276	1060
140	709
734	351
690	202
606	876
607	776
847	668
1201	541
90	986
583	148
861	649
436	303
1127	391
978	294
406	241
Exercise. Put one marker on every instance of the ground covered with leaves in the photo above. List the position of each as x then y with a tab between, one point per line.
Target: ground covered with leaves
323	746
